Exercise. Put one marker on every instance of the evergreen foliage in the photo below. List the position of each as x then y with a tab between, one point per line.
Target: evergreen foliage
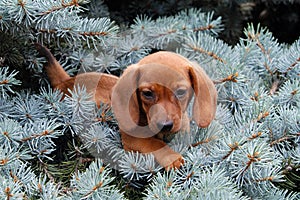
70	149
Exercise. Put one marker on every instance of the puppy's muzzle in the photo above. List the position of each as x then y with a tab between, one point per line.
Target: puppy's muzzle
165	126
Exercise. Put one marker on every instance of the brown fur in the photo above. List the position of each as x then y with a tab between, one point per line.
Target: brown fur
149	100
98	84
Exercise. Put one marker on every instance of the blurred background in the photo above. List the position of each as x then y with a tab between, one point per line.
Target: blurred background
281	17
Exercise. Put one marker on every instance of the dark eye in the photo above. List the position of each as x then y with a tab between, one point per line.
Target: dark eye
148	94
180	93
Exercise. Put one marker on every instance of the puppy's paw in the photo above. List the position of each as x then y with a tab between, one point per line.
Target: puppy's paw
168	158
173	161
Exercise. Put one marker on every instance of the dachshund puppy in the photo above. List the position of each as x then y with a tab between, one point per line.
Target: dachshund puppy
149	100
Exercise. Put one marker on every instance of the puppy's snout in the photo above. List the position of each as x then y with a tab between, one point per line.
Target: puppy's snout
165	126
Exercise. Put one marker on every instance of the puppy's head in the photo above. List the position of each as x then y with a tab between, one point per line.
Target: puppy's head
152	96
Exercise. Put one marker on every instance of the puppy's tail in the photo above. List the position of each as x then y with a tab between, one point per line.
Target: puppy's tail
55	71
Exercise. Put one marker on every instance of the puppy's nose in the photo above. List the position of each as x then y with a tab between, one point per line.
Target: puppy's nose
165	126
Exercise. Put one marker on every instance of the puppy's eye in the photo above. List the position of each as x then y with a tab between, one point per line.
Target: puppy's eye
148	94
180	93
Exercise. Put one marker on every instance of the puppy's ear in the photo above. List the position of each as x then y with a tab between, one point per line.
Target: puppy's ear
124	99
205	100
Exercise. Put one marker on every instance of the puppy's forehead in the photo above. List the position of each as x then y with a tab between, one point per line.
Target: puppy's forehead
162	74
167	58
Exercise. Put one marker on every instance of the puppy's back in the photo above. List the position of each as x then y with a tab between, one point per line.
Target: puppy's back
99	85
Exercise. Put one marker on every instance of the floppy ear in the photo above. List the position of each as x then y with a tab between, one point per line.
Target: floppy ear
124	99
205	100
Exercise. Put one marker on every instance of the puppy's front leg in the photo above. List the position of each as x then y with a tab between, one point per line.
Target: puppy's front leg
163	154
